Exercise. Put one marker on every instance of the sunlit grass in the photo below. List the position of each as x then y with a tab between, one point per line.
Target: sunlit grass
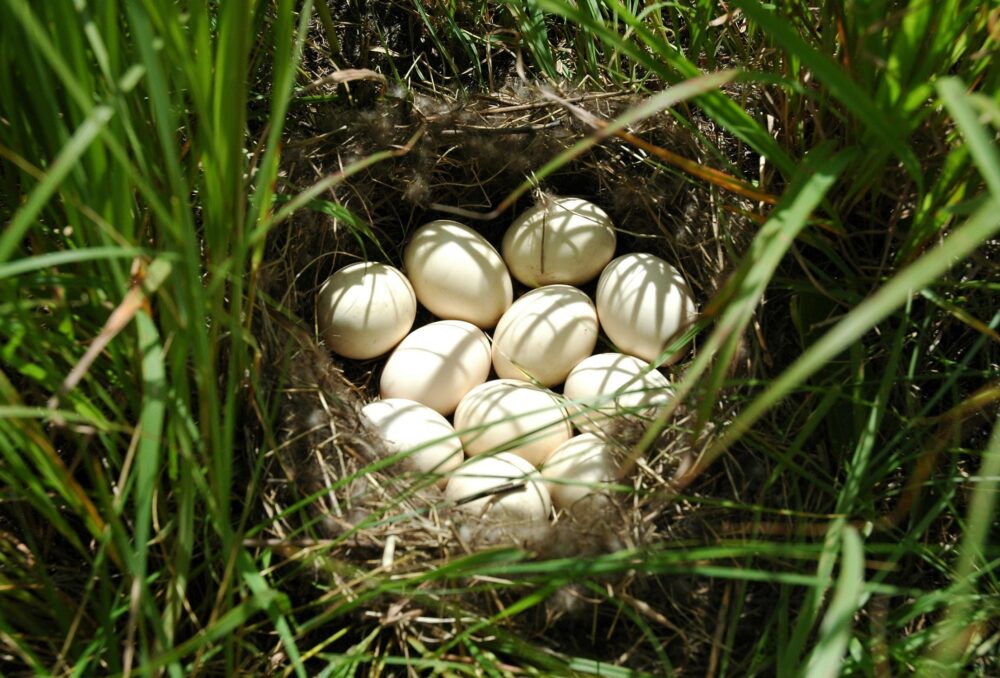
137	196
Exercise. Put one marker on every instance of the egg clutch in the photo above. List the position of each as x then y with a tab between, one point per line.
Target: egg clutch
517	432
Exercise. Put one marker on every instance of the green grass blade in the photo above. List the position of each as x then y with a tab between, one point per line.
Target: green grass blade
789	218
61	166
263	196
53	415
40	39
673	67
826	660
531	22
61	258
230	622
959	244
838	82
951	639
981	144
424	15
768	249
658	102
260	589
148	461
13	640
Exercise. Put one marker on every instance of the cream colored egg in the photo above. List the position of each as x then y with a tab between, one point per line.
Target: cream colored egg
559	240
457	274
578	468
502	486
408	426
506	414
544	334
364	309
612	384
643	302
437	364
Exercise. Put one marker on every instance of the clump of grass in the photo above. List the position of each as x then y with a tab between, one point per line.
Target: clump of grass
840	517
128	266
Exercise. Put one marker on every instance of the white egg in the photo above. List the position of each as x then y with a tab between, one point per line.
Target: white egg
578	468
506	414
612	384
364	309
504	486
437	364
457	274
408	426
544	334
559	240
643	302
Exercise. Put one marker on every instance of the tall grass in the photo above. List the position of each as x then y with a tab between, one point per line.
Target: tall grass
126	175
136	203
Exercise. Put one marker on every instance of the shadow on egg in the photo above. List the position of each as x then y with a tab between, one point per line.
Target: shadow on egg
643	302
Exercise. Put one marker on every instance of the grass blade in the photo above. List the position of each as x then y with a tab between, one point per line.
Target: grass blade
840	85
60	168
148	463
827	657
61	258
789	218
771	245
673	67
951	632
977	139
984	224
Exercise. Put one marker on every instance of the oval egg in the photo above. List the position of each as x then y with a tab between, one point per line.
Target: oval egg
612	384
520	495
514	415
559	240
643	302
544	334
408	426
577	469
365	309
437	364
457	274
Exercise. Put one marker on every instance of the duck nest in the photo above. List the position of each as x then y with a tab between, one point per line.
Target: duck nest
366	535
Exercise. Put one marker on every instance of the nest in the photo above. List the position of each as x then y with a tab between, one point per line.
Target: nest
332	490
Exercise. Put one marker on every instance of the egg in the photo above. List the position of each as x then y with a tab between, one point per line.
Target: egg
612	384
408	426
457	274
506	414
544	334
578	468
503	485
364	309
437	364
559	240
643	302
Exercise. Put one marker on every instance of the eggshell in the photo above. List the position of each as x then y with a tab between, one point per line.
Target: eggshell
642	302
505	413
457	274
437	364
527	501
577	468
544	334
559	240
408	426
608	384
364	309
